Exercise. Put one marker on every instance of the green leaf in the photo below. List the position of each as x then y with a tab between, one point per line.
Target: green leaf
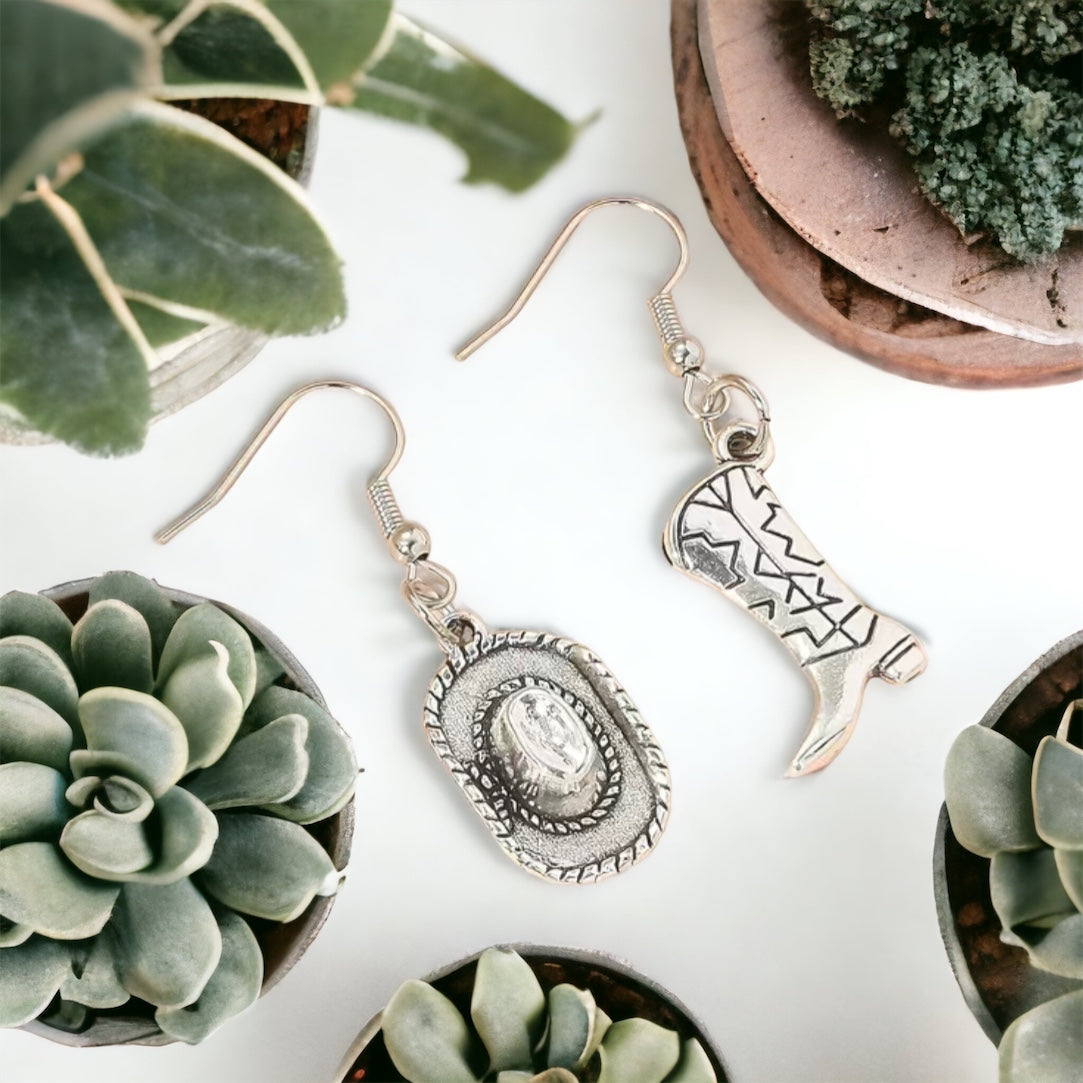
269	669
93	980
1058	793
1026	890
267	867
105	847
1070	869
188	834
168	943
31	666
119	796
108	847
1060	951
426	1037
232	50
987	791
29	978
99	64
639	1050
162	328
70	363
23	614
338	36
547	1075
40	889
205	701
694	1066
12	933
144	596
32	804
134	734
200	626
234	985
187	213
264	768
332	769
111	645
31	730
576	1027
1045	1043
508	1009
509	137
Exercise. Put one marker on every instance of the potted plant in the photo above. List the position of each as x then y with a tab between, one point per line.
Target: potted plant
543	1016
977	103
175	812
146	250
1008	869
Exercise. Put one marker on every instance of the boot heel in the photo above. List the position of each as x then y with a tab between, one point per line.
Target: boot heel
903	662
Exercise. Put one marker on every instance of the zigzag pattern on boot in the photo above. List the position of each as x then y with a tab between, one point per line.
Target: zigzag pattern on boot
732	532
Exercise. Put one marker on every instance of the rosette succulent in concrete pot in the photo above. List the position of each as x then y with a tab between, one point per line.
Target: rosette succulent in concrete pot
152	234
175	812
543	1016
1009	869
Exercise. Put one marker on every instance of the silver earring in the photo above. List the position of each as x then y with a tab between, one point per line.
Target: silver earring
731	532
539	735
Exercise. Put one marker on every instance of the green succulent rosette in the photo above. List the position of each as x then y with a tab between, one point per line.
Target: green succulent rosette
154	786
518	1034
1025	814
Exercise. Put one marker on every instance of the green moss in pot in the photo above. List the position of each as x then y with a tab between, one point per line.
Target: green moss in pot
175	812
985	97
540	1017
1014	803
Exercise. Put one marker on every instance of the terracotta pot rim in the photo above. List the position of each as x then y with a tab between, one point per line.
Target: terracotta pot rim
120	1029
809	288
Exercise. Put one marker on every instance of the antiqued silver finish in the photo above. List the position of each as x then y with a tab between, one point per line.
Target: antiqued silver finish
551	753
539	735
731	532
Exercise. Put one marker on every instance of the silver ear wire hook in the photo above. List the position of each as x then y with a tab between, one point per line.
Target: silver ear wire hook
427	586
679	347
706	398
387	509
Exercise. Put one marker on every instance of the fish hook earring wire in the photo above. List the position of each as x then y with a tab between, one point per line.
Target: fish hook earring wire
538	734
731	532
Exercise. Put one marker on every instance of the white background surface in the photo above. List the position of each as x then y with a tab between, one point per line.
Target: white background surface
795	918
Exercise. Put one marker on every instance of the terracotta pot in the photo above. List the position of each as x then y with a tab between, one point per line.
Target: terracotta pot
803	280
282	943
996	979
619	991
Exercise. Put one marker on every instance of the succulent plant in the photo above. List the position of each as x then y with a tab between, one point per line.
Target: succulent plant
1025	814
154	784
131	224
517	1034
985	97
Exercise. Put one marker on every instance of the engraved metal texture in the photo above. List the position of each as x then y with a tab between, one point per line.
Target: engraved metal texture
731	531
551	752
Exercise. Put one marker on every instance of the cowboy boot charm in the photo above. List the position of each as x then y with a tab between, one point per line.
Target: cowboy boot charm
731	532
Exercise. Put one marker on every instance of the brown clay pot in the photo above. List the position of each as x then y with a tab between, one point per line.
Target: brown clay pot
619	991
833	303
996	979
282	943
